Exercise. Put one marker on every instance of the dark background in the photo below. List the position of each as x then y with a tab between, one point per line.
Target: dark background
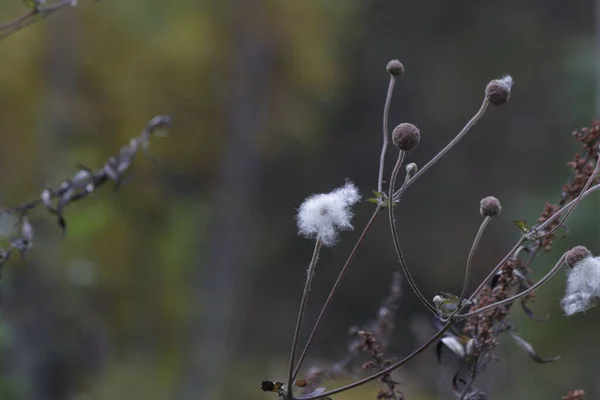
185	283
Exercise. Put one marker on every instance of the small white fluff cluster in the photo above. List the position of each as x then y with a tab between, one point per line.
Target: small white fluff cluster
507	80
321	216
583	286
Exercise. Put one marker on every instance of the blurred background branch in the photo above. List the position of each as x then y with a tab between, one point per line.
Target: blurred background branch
275	101
38	9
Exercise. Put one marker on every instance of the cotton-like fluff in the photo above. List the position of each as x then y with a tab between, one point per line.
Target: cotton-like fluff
583	286
321	216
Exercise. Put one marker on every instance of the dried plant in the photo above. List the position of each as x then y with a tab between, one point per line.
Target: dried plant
371	339
38	9
468	325
83	183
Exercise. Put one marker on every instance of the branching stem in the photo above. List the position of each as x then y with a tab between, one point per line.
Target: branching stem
399	253
336	286
442	152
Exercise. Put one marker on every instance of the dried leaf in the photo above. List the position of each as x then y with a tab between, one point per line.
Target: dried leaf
270	386
530	313
316	392
530	350
455	345
26	229
267	386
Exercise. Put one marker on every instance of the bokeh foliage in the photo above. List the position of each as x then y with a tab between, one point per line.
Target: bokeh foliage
114	310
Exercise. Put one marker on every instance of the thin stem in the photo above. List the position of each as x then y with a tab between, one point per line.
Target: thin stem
336	286
386	109
309	277
568	206
575	202
497	267
453	142
467	387
407	177
389	369
484	224
524	238
517	296
392	220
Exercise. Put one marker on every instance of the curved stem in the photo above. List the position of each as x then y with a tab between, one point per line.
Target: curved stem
568	206
389	369
463	292
403	264
517	296
524	238
386	109
497	267
575	202
336	286
309	277
439	155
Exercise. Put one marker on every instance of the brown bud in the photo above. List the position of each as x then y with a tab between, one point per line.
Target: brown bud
490	206
497	91
575	255
395	68
406	136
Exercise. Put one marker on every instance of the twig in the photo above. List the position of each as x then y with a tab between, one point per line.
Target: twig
38	11
83	183
309	277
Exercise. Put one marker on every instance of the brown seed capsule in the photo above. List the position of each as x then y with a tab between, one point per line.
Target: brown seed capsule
497	91
490	206
406	136
395	68
575	255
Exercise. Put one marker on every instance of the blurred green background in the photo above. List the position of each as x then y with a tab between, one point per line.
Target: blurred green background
185	283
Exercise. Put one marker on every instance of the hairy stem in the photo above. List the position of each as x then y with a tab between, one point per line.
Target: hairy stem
386	109
336	286
401	259
439	155
463	292
309	277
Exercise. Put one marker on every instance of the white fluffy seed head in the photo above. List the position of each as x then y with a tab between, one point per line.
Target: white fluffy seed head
507	80
583	286
577	302
321	216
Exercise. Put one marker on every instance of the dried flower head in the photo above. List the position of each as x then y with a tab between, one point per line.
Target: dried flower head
406	136
490	206
395	68
498	91
583	285
321	216
575	255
